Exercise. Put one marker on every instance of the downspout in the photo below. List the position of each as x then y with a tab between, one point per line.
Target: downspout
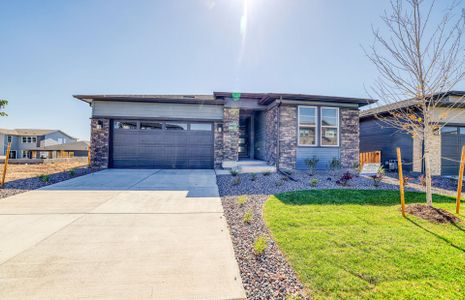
278	148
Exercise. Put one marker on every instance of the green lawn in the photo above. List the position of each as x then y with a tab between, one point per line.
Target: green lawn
355	244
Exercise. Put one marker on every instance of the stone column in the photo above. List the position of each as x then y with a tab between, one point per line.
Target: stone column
271	135
349	139
99	143
287	136
230	136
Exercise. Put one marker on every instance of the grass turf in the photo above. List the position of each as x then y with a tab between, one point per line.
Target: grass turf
352	244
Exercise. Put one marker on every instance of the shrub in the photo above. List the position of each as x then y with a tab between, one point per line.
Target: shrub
344	179
72	172
234	171
335	164
378	176
314	182
267	173
236	180
311	164
407	180
241	200
260	245
253	177
248	216
44	178
279	182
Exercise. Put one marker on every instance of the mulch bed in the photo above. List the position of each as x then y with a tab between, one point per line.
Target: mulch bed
267	276
432	214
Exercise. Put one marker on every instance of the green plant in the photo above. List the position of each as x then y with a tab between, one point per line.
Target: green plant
248	216
234	171
344	179
241	200
260	245
236	180
3	103
267	173
72	172
335	164
293	297
44	178
378	177
311	164
253	177
314	182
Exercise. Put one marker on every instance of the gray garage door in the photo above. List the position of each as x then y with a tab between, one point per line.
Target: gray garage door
162	144
452	140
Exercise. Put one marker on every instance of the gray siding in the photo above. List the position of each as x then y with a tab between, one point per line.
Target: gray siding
55	138
157	110
377	136
325	155
260	132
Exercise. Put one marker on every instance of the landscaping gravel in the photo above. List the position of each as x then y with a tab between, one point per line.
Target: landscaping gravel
26	184
266	276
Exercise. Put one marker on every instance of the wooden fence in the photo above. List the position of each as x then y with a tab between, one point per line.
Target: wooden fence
370	157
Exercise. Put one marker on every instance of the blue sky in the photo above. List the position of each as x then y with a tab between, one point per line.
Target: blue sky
51	50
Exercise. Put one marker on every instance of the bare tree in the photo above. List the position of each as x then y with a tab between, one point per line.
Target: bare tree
419	60
3	103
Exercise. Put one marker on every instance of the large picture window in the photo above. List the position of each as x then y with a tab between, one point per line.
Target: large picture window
307	126
330	126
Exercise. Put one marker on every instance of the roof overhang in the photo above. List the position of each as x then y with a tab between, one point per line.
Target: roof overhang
182	99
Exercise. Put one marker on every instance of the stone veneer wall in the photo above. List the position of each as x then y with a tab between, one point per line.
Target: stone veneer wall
218	145
349	139
271	135
230	134
287	136
99	143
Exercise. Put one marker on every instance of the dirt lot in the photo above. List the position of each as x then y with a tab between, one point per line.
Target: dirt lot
21	178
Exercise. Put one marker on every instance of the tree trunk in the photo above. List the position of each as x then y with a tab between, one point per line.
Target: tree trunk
427	145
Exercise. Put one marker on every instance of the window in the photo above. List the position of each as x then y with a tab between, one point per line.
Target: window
24	139
24	153
449	130
176	126
34	139
29	139
9	138
307	126
330	126
201	127
125	125
151	125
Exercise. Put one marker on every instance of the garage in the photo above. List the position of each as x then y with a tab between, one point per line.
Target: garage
161	144
452	140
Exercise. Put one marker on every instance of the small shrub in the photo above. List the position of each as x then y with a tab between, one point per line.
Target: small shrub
279	182
311	164
407	180
260	245
234	171
248	216
44	178
314	182
267	173
345	179
236	180
335	164
253	177
72	172
241	200
378	177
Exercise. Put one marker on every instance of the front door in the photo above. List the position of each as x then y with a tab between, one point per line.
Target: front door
244	139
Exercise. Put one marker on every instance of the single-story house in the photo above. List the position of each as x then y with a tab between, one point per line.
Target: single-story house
216	131
32	143
68	150
377	135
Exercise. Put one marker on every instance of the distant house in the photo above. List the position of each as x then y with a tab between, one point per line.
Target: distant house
40	143
447	143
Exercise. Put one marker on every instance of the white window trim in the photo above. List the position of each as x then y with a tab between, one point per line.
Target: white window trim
309	126
24	140
337	126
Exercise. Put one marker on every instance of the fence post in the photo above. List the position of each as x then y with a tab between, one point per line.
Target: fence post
5	164
88	156
459	186
401	181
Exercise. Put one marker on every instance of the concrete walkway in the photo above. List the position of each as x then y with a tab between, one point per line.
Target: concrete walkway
119	234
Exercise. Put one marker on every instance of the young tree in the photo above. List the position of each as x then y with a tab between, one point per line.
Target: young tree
3	103
421	59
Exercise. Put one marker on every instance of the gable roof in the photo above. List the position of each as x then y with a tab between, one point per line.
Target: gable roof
383	109
75	146
31	132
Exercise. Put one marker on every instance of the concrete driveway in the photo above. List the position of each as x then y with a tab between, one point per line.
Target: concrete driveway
119	234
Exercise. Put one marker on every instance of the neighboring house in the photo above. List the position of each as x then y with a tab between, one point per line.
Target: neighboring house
214	131
32	143
71	149
448	141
